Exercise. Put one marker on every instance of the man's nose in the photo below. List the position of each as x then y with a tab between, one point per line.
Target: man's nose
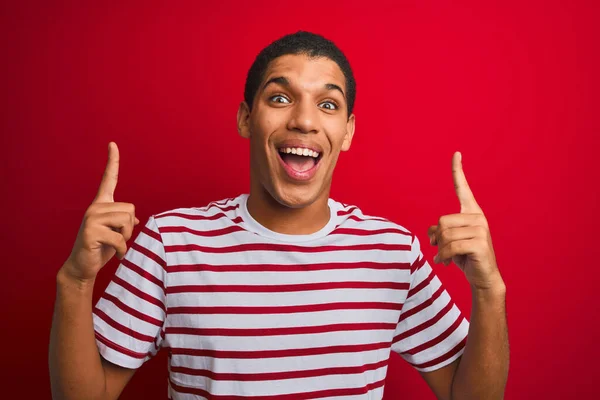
304	118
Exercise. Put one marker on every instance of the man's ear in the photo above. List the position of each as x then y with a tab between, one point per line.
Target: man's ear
349	133
243	120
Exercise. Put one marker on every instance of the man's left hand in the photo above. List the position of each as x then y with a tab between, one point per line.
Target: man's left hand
464	238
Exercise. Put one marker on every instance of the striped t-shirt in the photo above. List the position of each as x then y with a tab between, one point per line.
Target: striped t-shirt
248	313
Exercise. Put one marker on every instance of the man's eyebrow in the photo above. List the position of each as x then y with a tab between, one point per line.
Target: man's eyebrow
332	86
282	80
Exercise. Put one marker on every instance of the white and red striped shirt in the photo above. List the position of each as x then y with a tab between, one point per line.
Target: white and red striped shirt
248	313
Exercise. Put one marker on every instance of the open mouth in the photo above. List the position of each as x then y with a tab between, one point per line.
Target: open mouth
299	159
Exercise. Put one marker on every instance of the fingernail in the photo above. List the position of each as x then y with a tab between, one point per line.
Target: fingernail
436	259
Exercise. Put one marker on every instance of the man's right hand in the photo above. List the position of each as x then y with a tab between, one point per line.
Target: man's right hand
107	226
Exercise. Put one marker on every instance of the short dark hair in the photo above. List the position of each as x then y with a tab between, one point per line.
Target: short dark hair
301	42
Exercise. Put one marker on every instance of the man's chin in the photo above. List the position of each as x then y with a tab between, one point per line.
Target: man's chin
296	197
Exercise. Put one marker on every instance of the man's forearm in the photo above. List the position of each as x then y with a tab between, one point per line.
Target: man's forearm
76	370
483	369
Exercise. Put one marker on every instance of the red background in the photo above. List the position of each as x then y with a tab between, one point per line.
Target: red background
514	86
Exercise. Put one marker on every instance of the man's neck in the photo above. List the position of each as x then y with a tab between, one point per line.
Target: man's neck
290	221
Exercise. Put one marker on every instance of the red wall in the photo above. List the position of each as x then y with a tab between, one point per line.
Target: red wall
514	86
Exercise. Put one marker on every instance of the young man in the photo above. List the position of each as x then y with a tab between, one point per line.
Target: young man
283	293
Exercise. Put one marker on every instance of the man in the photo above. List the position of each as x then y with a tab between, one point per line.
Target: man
282	293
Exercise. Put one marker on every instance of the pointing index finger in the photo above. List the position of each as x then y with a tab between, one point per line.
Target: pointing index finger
467	201
111	175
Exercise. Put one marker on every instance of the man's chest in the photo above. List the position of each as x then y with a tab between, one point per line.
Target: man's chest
286	317
282	300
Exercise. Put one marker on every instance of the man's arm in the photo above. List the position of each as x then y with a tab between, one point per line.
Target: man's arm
440	380
77	371
482	371
465	240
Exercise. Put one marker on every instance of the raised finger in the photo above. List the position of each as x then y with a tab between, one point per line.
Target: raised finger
467	201
106	191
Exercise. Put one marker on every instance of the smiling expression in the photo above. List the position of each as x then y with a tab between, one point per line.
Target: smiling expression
297	127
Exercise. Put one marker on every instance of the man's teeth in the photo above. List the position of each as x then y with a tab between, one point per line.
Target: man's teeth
299	151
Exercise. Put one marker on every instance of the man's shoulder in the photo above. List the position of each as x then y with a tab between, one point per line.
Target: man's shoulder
353	216
206	211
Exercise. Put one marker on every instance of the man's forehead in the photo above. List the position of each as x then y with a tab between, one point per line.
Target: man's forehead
320	70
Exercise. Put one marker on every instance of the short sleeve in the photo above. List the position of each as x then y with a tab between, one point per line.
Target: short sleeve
431	330
129	317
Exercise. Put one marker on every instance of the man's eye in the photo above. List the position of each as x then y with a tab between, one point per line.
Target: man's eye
328	105
280	99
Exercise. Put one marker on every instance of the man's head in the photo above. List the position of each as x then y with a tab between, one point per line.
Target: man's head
299	95
310	44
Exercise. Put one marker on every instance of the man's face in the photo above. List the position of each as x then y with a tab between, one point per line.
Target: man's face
297	127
